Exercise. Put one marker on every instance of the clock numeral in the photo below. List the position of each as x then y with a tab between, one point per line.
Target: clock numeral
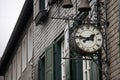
88	50
93	28
78	43
94	49
88	27
83	48
99	39
97	45
97	33
76	37
82	28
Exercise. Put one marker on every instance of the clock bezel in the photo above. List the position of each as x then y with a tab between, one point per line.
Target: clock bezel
77	48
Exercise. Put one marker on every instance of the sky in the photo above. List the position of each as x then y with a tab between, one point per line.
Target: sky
9	13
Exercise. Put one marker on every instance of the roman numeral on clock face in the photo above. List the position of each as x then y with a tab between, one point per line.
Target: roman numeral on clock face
99	39
88	38
97	45
97	33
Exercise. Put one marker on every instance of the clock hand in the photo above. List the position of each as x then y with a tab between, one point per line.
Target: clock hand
80	37
92	37
89	38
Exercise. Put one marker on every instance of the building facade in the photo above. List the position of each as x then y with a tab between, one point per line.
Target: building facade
39	48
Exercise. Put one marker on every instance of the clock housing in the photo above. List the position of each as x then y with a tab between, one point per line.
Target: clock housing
86	39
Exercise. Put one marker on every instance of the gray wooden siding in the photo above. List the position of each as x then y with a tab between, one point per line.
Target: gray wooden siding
113	39
46	33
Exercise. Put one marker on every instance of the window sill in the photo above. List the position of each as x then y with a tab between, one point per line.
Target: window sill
41	16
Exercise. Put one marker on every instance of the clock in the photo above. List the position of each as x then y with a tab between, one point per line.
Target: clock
87	39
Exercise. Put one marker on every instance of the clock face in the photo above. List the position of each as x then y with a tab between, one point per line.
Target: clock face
88	38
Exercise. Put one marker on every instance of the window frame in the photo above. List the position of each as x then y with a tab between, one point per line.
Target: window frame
19	62
30	44
24	53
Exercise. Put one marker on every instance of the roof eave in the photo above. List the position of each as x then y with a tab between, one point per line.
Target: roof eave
26	12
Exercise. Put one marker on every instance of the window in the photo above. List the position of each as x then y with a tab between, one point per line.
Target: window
30	44
49	65
19	62
76	69
79	69
65	63
90	70
6	76
41	69
36	7
24	53
54	66
71	68
62	62
40	5
45	67
86	70
10	73
41	11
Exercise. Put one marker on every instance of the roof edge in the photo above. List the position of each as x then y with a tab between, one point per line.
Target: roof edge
26	12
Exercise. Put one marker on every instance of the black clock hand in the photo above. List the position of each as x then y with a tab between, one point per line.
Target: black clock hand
89	38
80	37
92	37
86	38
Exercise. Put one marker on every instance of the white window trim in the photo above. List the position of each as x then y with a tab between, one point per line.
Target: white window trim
63	75
30	43
19	62
24	53
86	69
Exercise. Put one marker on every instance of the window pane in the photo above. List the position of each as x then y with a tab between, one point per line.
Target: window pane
29	44
24	53
49	63
62	61
36	7
18	63
41	4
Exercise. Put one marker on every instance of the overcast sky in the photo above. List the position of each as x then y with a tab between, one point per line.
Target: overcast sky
9	13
